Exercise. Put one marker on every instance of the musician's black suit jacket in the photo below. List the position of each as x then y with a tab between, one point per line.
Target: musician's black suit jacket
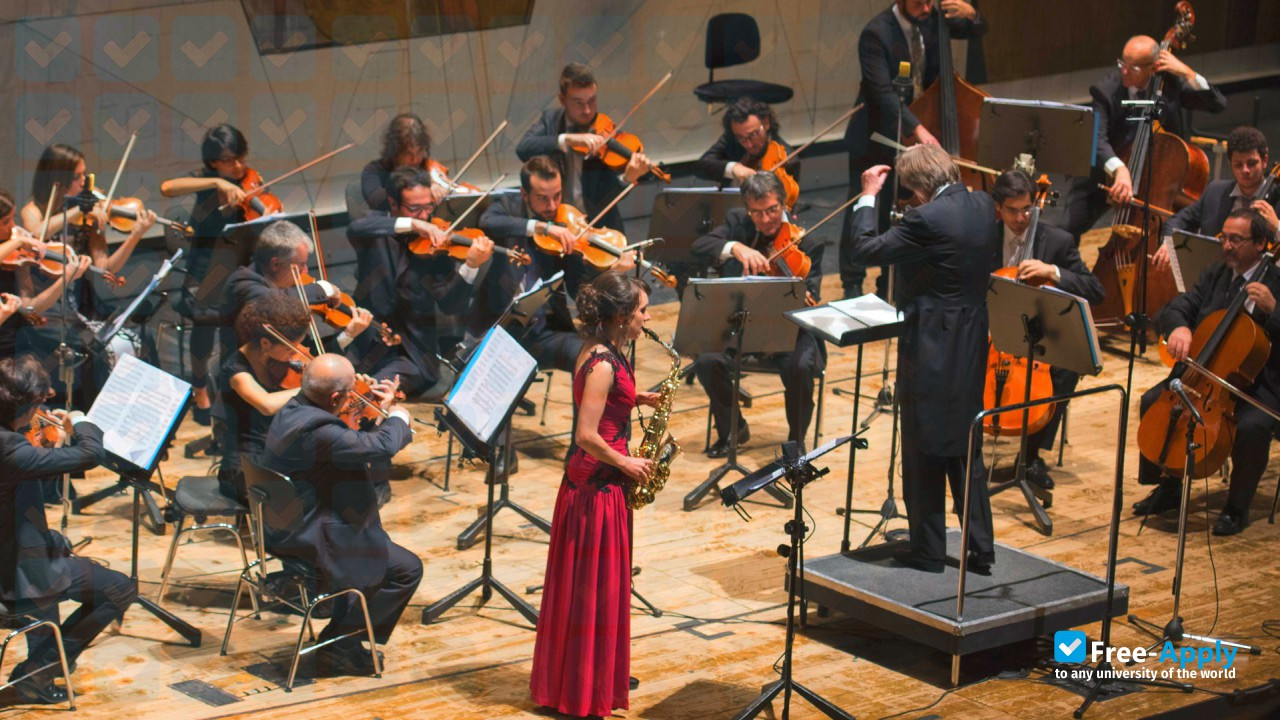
943	251
1056	247
727	149
1115	130
599	184
33	557
881	47
333	467
737	226
1208	214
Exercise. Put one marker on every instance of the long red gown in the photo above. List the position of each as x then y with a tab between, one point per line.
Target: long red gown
582	656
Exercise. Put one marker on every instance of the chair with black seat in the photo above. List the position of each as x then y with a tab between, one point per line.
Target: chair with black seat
276	510
750	364
20	624
734	39
198	498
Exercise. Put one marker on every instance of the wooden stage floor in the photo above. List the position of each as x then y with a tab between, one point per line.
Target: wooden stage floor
717	578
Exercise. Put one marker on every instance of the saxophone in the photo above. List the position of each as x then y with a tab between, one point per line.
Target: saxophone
657	445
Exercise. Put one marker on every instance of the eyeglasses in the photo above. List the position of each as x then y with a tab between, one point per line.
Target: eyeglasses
425	209
1126	67
751	136
1235	239
1019	212
774	209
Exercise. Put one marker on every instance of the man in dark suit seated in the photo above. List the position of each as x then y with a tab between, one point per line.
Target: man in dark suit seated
1243	241
434	292
906	32
37	569
1247	154
1140	67
560	134
738	247
1054	258
341	537
944	248
749	125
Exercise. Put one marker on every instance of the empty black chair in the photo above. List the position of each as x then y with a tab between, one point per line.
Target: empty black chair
734	39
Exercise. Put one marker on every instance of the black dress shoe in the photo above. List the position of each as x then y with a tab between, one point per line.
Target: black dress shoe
1038	474
344	659
1164	497
720	448
1230	522
980	563
39	688
907	558
633	683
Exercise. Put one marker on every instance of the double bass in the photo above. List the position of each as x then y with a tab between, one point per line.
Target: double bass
1178	173
950	108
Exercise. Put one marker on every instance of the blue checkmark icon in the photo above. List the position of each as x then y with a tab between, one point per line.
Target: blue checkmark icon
1069	646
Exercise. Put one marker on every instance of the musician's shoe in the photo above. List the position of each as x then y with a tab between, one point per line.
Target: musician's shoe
1230	522
344	659
633	683
981	562
1038	474
907	558
39	688
382	492
1164	497
720	448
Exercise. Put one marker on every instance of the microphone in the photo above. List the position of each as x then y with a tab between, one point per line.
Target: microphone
256	203
902	85
167	265
643	244
1177	387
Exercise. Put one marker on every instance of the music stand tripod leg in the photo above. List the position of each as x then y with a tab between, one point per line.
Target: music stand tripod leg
468	537
177	624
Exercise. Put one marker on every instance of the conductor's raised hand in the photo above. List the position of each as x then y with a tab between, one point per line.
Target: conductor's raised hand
873	179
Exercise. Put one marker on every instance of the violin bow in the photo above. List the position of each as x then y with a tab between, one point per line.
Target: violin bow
111	193
458	220
877	137
315	238
618	125
311	320
820	223
303	352
263	187
816	138
591	225
492	136
48	211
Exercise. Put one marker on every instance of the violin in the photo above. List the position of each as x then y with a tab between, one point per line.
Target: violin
618	148
358	411
601	247
1228	344
45	431
774	160
257	201
124	213
52	259
787	259
460	243
339	311
440	175
1006	381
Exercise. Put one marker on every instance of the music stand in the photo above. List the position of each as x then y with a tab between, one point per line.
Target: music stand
1195	253
139	410
798	471
1047	325
1060	137
857	321
680	216
478	410
715	316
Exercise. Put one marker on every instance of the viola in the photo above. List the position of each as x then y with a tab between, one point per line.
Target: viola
45	431
358	411
786	259
440	175
339	311
460	243
774	160
951	108
125	211
1178	174
618	148
257	201
1006	382
601	247
51	261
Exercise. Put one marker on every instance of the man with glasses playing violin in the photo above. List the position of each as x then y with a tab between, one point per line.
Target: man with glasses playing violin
739	247
1134	79
1244	239
433	292
749	127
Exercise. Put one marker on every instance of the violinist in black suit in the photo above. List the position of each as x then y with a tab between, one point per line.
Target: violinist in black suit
434	292
589	184
1054	258
906	32
37	569
1140	65
738	246
1244	238
749	125
341	537
944	248
1247	154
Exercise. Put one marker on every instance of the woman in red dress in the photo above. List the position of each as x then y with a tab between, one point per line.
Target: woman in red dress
582	657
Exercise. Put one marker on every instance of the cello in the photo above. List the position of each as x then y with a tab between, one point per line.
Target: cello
950	108
1178	173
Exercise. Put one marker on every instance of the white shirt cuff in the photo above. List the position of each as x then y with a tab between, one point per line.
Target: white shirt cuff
344	339
404	225
866	201
468	273
564	147
1057	275
1200	82
530	227
400	413
726	252
1112	165
330	290
77	418
728	169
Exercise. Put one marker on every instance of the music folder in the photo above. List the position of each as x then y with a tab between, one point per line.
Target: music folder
850	322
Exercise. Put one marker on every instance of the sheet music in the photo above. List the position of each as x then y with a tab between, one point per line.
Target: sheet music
870	309
137	409
491	383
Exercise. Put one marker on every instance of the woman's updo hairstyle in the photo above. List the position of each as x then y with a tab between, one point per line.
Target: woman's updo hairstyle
612	295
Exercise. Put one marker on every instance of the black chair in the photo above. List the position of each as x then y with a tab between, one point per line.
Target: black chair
21	624
275	507
734	39
198	498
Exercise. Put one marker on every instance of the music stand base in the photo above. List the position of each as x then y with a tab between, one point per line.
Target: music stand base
771	691
486	584
469	537
1173	632
1044	523
177	624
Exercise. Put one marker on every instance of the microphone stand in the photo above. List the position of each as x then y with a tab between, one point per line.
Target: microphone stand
68	363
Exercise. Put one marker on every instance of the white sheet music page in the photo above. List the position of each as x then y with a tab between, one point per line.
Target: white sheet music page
137	407
491	383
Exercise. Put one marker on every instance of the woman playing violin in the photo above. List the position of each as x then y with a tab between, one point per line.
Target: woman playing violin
750	143
256	381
